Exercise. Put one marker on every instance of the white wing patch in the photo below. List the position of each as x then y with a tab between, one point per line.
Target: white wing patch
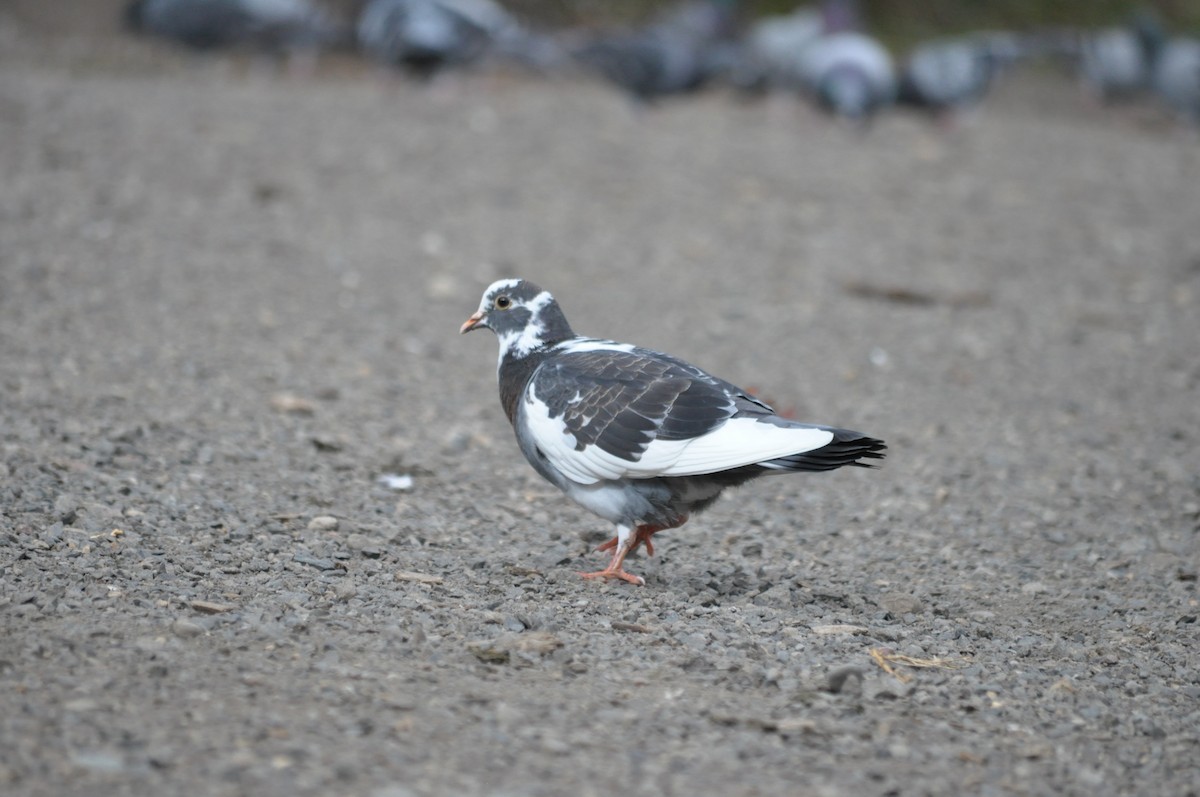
737	442
577	345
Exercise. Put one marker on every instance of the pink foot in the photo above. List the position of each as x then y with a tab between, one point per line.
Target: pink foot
616	572
640	536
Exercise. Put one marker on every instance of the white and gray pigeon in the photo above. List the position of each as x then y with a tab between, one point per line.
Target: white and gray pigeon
1119	62
1177	78
772	53
678	53
638	437
771	48
424	36
850	74
209	24
947	75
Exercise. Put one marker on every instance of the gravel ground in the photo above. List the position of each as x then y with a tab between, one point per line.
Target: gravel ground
229	299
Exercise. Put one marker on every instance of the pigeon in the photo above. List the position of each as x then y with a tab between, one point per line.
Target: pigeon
211	24
647	64
638	437
1112	63
850	74
679	53
424	36
770	52
1118	62
1177	78
946	75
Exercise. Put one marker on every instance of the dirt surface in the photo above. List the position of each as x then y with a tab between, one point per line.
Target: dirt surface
229	301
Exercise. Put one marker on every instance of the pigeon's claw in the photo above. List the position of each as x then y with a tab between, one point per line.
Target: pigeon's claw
627	539
616	572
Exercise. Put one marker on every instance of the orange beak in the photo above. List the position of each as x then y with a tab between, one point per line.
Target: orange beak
471	323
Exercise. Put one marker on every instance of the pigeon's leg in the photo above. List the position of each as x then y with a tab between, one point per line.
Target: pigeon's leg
625	543
642	535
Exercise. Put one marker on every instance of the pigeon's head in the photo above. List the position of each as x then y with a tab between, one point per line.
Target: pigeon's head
523	316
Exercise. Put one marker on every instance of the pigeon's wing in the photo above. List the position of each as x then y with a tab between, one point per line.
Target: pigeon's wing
631	413
199	25
627	59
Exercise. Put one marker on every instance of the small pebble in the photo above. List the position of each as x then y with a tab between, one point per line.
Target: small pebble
186	628
323	523
313	561
292	404
899	603
396	481
847	679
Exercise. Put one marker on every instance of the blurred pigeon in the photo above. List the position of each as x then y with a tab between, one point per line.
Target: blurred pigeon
647	64
1177	77
1119	62
678	53
638	437
424	36
1112	62
946	75
770	51
209	24
534	50
850	74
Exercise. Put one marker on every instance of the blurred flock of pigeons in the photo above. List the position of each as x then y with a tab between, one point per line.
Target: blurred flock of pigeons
822	51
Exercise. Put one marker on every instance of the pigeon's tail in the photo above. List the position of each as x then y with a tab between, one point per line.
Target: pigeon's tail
846	448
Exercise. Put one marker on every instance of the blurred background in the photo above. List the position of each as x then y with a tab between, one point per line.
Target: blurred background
894	20
851	58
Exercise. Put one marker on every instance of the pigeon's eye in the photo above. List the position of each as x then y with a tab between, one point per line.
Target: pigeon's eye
503	302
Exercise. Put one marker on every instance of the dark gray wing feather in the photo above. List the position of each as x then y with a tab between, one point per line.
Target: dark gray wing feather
623	400
846	448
